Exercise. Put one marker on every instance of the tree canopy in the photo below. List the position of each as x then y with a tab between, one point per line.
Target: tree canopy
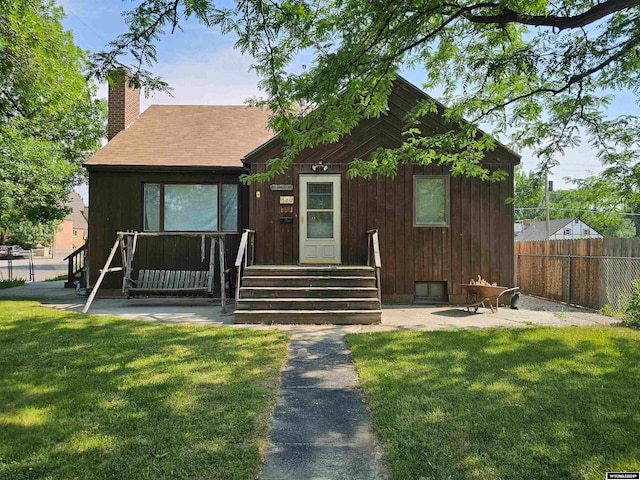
49	123
540	74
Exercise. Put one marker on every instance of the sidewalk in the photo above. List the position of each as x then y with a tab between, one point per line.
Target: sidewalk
321	427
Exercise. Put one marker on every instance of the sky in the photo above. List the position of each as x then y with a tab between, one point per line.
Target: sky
203	67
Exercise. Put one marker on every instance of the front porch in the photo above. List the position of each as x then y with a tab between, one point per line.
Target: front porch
307	294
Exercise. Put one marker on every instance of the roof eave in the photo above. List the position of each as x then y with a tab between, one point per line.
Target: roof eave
165	168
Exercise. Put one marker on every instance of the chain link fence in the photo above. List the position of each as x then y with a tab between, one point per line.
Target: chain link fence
588	281
618	274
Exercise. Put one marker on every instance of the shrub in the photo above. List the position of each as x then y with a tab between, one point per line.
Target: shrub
633	310
12	283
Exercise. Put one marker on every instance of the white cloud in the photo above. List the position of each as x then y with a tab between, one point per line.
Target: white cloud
213	78
221	77
577	162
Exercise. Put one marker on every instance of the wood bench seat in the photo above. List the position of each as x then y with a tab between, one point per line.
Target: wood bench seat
171	282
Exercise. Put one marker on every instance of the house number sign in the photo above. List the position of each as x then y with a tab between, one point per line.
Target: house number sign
281	187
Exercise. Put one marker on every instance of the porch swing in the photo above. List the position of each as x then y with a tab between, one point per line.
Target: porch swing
165	282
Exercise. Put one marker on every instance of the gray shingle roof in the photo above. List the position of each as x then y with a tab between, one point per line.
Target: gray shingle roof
538	230
76	204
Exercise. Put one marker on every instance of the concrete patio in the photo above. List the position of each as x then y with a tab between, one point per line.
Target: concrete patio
532	311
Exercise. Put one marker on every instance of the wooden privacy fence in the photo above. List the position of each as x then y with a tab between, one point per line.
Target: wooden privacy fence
589	272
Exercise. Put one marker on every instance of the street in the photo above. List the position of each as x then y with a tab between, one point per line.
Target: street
44	268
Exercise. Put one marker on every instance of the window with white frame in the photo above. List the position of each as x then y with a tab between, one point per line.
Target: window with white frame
185	207
430	200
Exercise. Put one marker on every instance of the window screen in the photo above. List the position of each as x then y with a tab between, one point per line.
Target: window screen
431	201
151	207
229	208
190	207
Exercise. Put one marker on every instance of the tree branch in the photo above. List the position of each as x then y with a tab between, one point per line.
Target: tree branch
15	104
577	21
577	78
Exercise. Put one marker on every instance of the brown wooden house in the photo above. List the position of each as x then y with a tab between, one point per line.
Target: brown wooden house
435	231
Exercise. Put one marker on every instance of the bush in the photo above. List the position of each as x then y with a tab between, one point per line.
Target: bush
633	310
18	282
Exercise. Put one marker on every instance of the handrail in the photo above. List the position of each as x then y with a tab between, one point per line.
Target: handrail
373	241
76	265
242	258
75	252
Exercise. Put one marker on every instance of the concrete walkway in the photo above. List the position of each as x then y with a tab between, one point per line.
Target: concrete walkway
321	427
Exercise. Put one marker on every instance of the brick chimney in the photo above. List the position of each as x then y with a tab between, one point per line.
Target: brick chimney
124	103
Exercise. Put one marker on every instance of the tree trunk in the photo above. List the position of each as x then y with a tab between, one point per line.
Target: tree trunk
4	235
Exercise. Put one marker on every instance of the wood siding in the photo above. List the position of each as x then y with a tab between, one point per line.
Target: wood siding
116	199
477	241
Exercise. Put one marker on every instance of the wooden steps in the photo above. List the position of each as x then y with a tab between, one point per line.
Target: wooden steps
340	295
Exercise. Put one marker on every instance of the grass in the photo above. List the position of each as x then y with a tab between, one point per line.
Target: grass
63	276
98	397
18	282
504	404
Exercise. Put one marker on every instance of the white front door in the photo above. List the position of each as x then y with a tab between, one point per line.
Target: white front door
319	218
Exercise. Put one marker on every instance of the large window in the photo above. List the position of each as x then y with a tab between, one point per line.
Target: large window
190	207
430	201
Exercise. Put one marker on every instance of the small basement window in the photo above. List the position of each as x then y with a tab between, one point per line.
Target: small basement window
430	292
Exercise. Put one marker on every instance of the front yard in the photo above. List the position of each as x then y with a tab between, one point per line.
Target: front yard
504	404
99	397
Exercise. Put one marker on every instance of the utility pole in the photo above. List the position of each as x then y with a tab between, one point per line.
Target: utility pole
546	202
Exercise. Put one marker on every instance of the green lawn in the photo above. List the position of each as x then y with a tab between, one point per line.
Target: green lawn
504	404
97	397
62	276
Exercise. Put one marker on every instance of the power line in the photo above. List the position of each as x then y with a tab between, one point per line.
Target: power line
578	210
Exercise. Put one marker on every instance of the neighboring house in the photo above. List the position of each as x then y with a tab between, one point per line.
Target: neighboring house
436	231
564	229
72	232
